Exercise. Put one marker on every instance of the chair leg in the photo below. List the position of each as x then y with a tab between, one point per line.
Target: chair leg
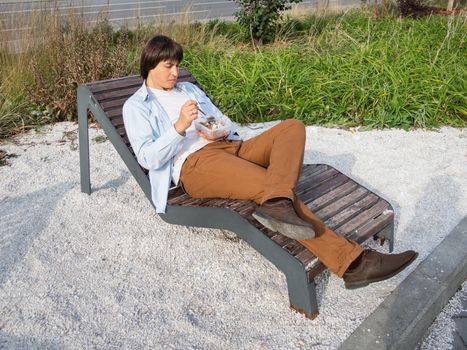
83	99
390	236
302	293
386	233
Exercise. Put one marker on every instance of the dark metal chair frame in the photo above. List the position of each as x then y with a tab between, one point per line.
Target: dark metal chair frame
347	207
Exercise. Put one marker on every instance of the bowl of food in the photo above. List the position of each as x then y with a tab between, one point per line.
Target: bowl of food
213	129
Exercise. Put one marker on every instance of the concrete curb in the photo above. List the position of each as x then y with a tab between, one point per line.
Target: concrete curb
402	319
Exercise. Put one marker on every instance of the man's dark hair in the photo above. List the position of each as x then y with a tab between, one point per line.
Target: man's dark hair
159	48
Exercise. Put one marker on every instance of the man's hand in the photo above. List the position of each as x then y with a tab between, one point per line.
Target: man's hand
188	113
204	136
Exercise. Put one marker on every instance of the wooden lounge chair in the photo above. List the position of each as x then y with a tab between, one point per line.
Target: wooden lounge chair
346	206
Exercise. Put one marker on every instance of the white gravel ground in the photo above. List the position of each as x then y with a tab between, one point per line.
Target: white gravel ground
104	271
440	334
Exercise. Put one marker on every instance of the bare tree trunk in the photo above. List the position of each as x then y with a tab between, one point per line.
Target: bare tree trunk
383	7
376	9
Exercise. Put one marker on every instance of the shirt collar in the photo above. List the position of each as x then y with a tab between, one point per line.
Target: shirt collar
146	93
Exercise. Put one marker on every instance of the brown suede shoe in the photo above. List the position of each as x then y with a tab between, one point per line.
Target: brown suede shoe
373	266
280	216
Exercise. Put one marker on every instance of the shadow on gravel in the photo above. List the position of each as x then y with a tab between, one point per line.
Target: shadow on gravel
23	218
114	183
11	342
438	208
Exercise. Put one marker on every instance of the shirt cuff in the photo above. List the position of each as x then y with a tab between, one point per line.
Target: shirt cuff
175	130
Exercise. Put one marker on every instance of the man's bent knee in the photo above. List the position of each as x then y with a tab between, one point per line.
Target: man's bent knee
294	123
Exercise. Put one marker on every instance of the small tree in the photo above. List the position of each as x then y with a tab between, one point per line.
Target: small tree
260	17
410	7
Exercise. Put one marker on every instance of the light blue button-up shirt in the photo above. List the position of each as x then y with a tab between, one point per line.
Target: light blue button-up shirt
154	139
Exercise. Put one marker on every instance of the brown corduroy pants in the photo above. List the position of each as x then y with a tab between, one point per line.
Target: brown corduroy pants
264	167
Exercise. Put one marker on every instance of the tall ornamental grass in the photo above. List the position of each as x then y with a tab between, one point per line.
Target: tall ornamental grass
59	52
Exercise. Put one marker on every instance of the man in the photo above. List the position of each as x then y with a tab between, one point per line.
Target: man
159	121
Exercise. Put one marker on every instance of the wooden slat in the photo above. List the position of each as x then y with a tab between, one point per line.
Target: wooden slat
299	250
363	218
355	209
310	170
314	181
332	195
342	203
315	268
307	168
372	227
293	247
281	239
121	130
266	231
223	202
175	192
178	200
105	95
324	188
114	104
245	204
196	202
117	83
113	113
117	122
234	203
211	202
247	211
305	257
305	171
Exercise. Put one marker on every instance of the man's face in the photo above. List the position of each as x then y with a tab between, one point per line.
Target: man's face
164	75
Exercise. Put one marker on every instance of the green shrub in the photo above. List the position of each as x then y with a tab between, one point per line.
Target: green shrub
355	71
260	18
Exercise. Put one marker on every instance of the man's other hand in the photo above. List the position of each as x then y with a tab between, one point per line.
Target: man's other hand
206	137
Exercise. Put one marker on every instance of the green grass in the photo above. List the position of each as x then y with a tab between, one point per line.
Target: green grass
340	70
350	70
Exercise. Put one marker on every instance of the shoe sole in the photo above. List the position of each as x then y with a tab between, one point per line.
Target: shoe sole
292	231
367	282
